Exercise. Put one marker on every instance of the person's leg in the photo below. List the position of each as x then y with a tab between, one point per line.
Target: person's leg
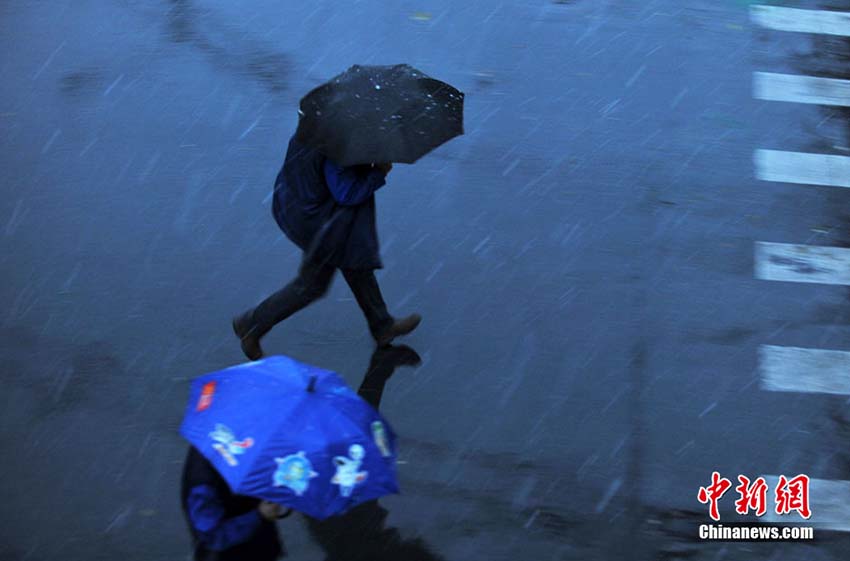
383	326
366	291
312	283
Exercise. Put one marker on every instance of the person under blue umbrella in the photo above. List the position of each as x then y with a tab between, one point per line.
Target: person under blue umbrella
292	433
226	524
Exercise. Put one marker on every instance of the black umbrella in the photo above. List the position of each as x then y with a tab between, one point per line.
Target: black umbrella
371	114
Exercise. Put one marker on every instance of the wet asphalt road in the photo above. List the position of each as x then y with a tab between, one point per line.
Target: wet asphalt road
583	258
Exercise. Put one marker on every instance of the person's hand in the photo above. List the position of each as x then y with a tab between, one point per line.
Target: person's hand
270	511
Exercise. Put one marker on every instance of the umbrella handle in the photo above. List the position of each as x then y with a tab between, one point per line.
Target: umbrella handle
311	387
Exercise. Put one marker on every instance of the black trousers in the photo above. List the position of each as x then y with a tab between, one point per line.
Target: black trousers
312	283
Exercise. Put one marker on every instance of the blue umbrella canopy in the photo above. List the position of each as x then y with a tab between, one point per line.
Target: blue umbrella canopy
291	433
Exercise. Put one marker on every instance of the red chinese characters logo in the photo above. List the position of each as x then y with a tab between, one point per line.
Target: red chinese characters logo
713	493
793	494
790	495
752	496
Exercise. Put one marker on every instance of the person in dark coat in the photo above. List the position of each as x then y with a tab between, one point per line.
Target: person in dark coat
329	212
224	526
361	534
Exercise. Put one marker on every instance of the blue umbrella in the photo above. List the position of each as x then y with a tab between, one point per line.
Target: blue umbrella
291	433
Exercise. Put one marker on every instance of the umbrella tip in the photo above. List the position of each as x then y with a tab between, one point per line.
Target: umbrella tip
311	387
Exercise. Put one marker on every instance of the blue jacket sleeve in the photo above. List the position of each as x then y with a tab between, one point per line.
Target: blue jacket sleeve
214	530
350	188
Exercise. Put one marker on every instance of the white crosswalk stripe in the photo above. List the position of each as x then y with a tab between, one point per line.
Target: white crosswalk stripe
802	167
795	369
829	503
794	88
802	263
804	21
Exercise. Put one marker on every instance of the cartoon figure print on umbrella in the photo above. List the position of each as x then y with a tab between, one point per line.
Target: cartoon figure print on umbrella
291	434
350	130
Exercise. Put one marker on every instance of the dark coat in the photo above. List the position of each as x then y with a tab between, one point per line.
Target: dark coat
327	231
263	545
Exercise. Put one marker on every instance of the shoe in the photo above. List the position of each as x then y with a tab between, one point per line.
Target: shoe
399	327
244	328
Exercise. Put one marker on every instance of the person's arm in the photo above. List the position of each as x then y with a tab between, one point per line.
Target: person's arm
215	531
350	187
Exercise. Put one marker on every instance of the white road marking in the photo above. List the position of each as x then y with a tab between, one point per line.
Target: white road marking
802	263
805	21
801	89
802	167
794	369
829	503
